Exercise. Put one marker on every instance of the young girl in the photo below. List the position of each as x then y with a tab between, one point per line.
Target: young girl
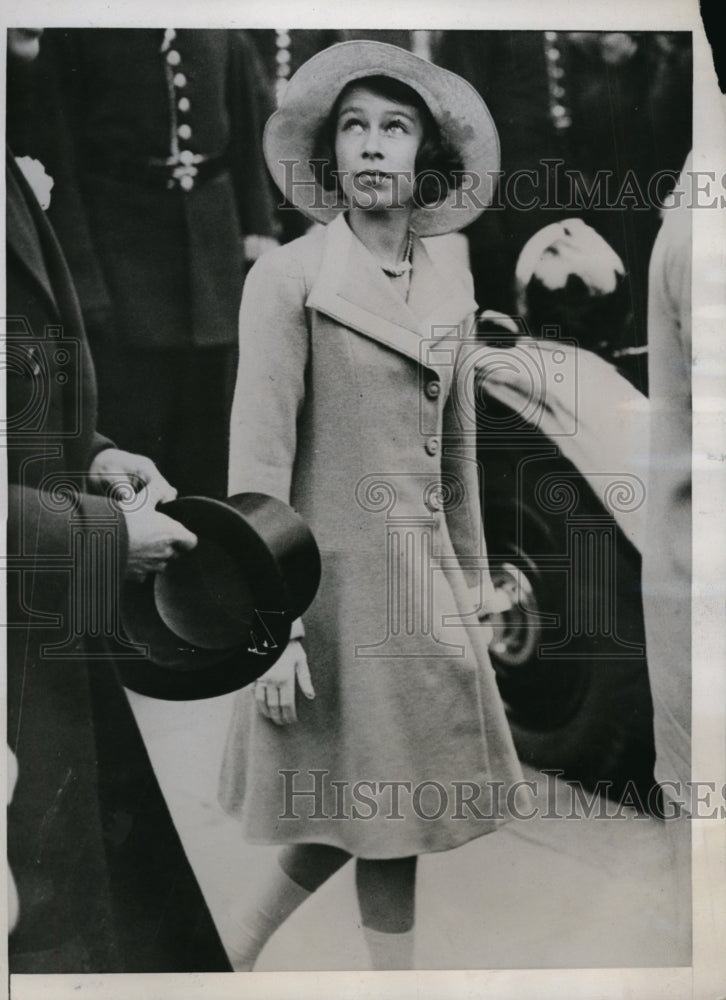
354	405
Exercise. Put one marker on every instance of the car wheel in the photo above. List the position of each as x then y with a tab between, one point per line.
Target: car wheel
578	703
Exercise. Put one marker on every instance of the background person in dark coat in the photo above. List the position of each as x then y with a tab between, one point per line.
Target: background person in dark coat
103	881
161	197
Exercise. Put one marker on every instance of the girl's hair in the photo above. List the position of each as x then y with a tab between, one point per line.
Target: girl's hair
438	168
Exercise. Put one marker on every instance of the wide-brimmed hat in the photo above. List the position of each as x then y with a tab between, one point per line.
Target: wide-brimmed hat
220	615
458	110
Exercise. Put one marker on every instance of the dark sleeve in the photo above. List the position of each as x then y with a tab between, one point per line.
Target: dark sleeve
99	444
39	527
250	103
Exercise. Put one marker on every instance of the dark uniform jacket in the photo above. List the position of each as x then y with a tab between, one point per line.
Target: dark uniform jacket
104	109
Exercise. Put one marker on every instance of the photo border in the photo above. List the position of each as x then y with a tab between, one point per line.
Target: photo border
707	976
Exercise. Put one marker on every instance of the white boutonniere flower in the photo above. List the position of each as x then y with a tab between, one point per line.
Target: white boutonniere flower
41	182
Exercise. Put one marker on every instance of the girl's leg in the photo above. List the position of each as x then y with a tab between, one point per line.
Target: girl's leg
312	864
386	896
302	869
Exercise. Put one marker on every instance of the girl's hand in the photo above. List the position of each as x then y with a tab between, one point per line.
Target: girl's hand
275	690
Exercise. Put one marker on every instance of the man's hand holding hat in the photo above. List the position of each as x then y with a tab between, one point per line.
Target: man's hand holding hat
154	538
113	469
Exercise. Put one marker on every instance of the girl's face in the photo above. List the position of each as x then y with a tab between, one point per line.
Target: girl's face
376	142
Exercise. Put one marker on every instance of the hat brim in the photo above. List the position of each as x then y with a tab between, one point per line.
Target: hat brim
173	670
196	645
457	108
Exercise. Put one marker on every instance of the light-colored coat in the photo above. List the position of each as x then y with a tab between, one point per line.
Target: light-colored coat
355	407
667	552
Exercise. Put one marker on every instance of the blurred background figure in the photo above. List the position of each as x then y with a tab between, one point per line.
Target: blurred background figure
572	297
612	108
568	278
161	199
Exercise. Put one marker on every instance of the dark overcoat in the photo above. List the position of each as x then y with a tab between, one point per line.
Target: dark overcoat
103	880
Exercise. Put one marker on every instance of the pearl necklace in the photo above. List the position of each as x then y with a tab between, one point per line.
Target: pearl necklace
398	270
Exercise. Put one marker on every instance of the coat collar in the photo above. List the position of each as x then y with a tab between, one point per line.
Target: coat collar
352	289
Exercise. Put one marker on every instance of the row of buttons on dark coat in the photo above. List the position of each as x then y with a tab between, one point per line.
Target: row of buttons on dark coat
185	175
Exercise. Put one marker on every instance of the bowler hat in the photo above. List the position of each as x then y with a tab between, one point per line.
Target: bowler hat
458	110
220	615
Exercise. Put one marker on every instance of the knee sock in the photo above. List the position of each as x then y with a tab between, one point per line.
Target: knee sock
386	896
389	951
250	923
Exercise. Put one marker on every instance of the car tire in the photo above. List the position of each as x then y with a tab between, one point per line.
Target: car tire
576	704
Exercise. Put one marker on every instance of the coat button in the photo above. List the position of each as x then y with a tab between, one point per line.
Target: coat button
433	389
184	131
432	445
184	104
173	57
186	182
187	157
179	80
